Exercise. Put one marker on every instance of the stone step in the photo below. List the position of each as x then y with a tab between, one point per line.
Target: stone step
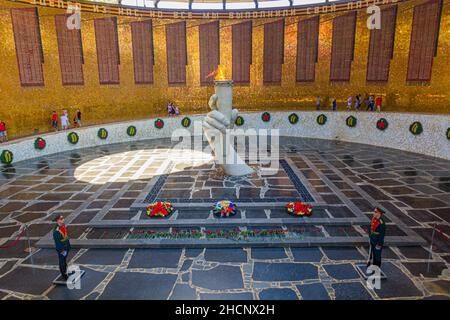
230	243
228	222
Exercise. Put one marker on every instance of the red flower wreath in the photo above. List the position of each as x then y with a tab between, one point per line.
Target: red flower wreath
159	209
298	208
39	143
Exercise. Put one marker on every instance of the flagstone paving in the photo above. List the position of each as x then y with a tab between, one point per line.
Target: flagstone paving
350	178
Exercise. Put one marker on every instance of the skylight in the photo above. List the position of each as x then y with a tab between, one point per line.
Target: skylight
240	5
273	4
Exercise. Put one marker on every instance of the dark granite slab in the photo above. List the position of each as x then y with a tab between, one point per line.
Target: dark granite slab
284	271
155	258
313	291
226	255
102	257
227	296
139	286
218	278
278	294
342	253
351	291
183	292
343	271
28	280
268	253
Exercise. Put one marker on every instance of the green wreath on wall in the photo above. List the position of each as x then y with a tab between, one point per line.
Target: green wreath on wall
382	124
159	123
39	143
102	133
265	117
416	128
293	118
131	131
321	119
73	138
351	121
186	122
448	133
6	157
239	121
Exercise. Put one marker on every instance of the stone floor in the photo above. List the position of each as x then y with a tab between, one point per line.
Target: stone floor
102	184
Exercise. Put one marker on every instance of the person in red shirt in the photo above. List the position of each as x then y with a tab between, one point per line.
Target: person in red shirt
3	133
378	101
55	121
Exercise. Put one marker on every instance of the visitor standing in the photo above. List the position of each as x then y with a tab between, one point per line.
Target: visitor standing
318	103
369	103
62	244
79	118
376	234
177	111
349	103
3	132
64	120
378	102
55	121
334	104
169	108
75	121
358	102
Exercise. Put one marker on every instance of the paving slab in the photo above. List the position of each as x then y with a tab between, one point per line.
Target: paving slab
218	278
155	258
138	286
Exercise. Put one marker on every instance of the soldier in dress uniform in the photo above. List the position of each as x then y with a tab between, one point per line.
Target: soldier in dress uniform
62	244
376	234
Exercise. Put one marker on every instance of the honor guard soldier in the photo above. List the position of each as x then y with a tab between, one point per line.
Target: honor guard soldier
376	234
62	244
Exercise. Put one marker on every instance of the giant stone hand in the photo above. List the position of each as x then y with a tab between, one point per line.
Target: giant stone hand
219	120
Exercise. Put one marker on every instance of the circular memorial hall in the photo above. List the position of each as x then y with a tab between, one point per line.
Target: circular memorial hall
224	150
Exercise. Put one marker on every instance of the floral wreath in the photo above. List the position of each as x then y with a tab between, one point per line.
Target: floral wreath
265	117
225	208
73	138
321	119
351	121
382	124
6	157
159	123
293	118
39	143
160	209
416	128
239	121
102	133
298	208
131	131
186	122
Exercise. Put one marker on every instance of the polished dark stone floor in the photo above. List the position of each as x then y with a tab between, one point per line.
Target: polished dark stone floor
102	183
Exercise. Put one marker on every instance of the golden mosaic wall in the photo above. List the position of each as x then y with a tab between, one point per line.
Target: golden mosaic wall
28	109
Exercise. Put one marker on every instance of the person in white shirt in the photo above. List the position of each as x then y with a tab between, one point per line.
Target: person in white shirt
65	120
349	103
